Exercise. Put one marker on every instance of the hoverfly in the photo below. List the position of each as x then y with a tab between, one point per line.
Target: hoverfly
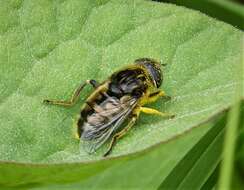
116	101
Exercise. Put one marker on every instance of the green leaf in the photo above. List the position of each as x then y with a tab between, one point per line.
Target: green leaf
225	10
47	48
200	162
237	178
150	168
231	135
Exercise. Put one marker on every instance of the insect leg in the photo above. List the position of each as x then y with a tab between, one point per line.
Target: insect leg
121	134
92	82
156	112
74	97
157	94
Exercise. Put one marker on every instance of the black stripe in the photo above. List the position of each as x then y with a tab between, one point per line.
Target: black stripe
89	104
154	94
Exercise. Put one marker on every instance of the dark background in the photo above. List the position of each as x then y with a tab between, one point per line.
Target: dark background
240	1
230	11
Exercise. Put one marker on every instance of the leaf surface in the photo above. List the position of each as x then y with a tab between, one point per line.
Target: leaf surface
47	48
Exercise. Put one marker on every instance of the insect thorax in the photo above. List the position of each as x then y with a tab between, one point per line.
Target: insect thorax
128	82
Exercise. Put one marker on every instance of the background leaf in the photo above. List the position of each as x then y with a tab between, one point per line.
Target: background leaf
226	10
200	162
48	47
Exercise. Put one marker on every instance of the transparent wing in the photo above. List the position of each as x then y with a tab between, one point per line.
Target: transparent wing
106	120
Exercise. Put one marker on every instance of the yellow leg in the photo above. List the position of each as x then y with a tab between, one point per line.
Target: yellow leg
76	136
121	134
156	112
75	130
135	115
74	97
156	95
